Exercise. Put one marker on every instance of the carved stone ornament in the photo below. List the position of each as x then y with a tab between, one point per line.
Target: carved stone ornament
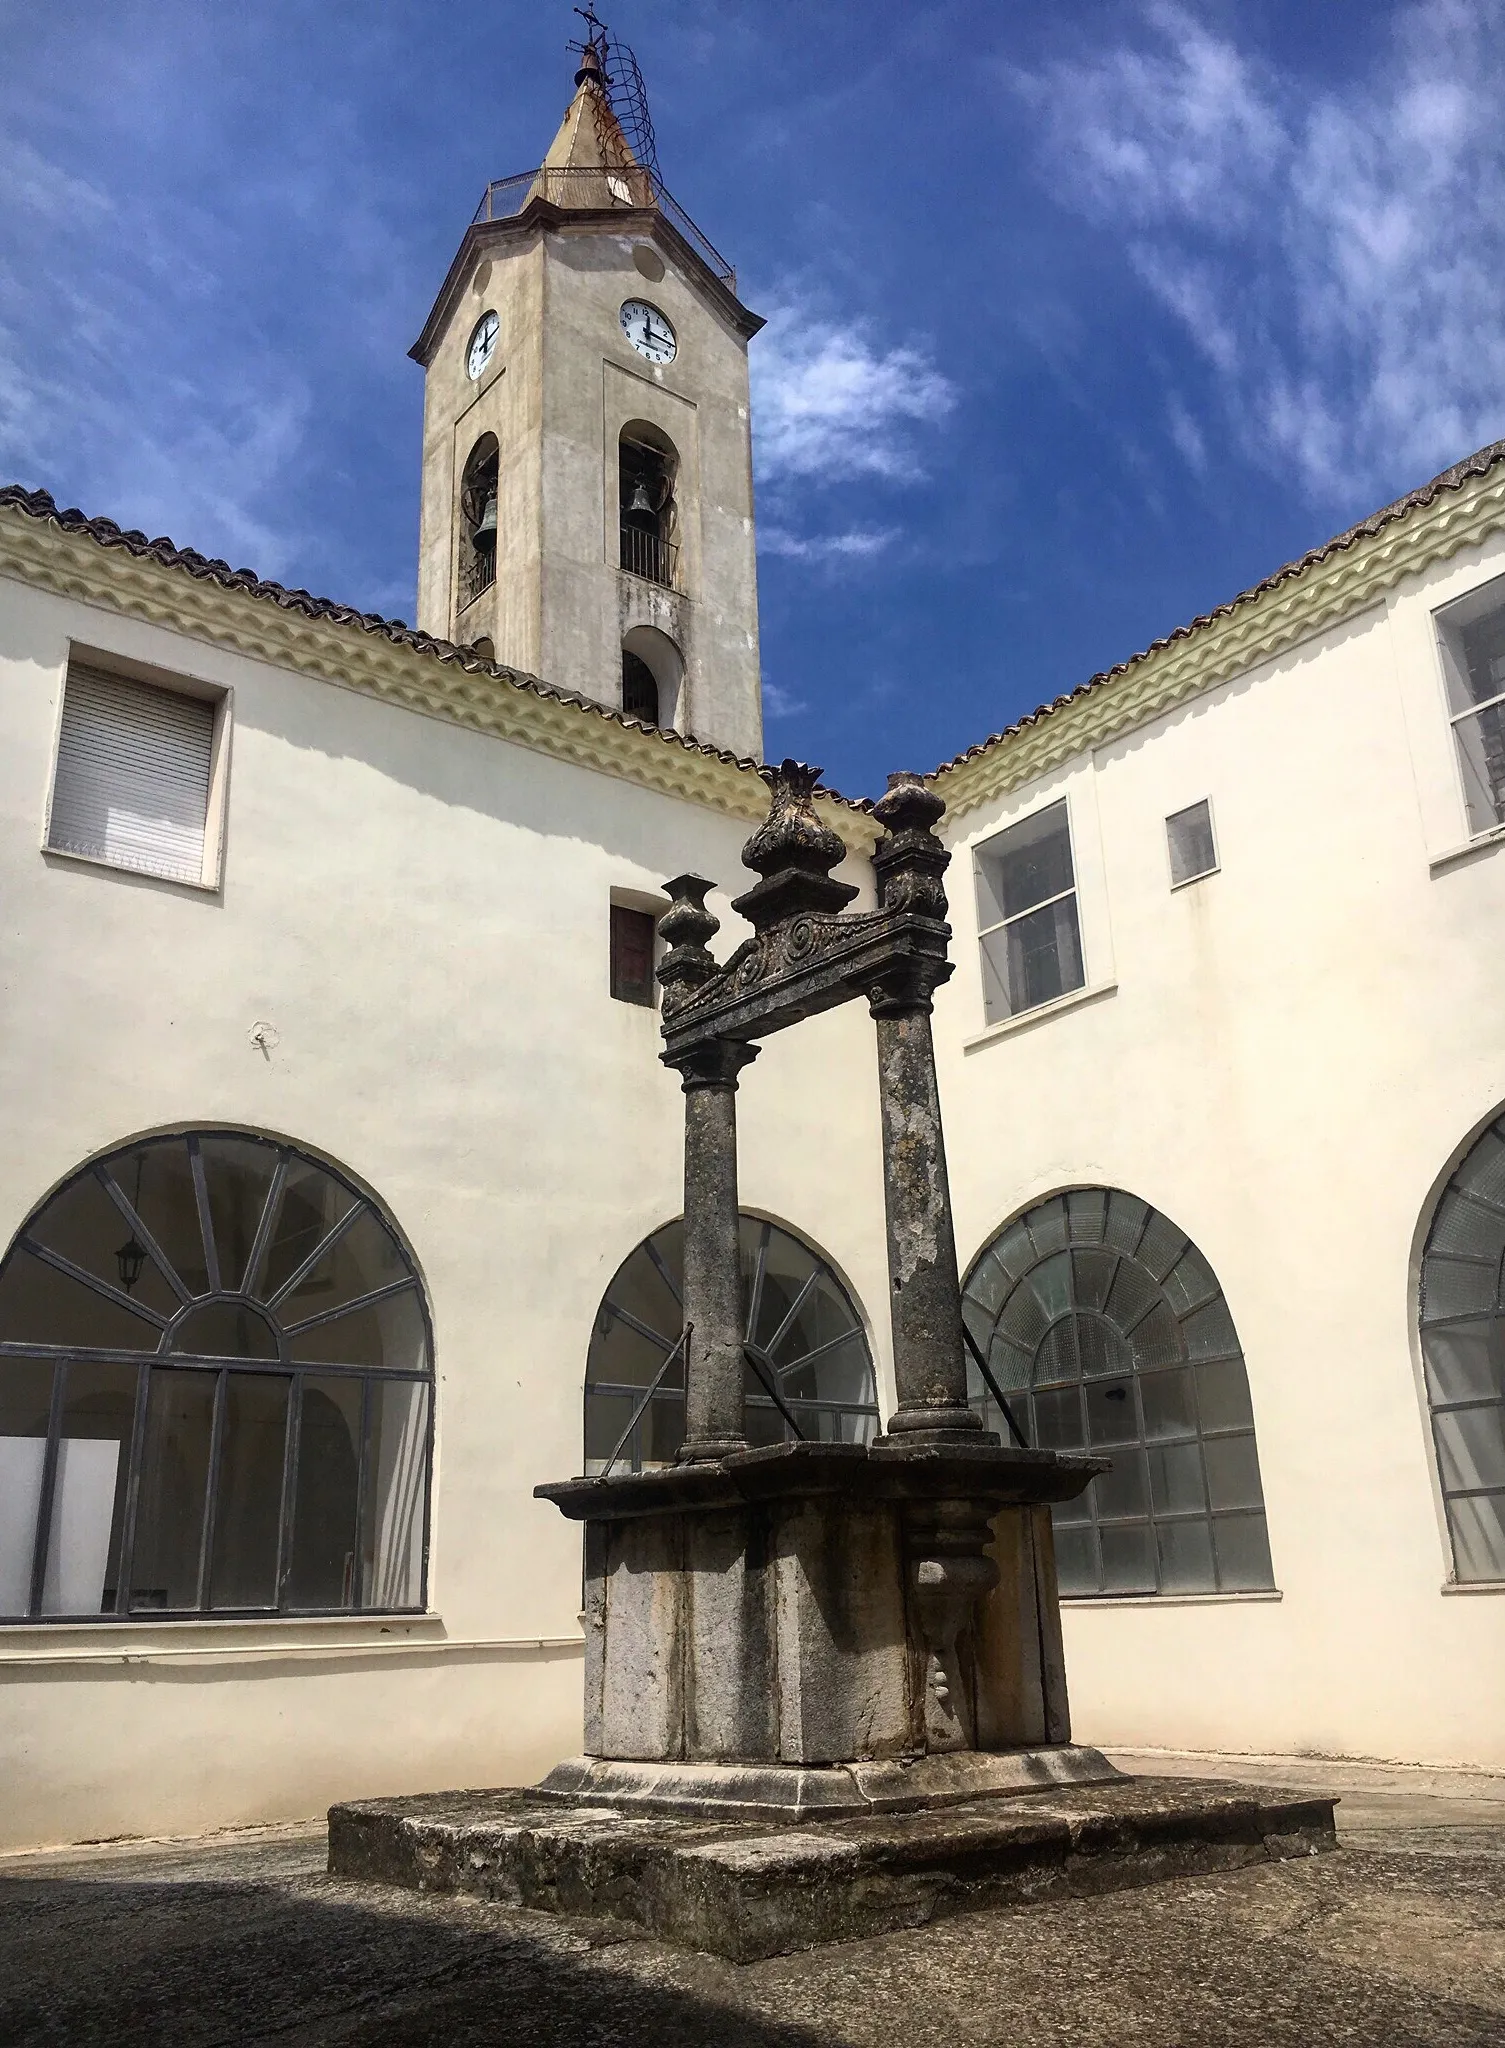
685	926
793	852
909	860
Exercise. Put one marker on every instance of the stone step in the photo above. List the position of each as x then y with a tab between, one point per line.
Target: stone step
747	1889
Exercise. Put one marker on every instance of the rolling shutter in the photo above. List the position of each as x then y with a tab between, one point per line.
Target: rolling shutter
132	784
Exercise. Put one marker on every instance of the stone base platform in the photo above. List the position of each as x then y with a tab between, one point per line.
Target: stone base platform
746	1889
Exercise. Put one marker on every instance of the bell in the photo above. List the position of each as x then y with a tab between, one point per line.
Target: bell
640	500
485	533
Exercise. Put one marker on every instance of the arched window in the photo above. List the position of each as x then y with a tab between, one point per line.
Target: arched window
1463	1348
639	688
648	464
809	1371
1106	1330
479	484
215	1391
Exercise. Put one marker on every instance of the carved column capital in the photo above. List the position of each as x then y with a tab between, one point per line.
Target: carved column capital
685	926
909	860
714	1063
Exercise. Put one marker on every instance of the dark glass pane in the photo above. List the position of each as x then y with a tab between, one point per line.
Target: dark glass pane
1057	1359
1126	1221
1243	1547
1189	833
1028	864
1185	1552
1461	1225
238	1173
1169	1404
1044	955
25	1405
1451	1288
1223	1395
1157	1339
1161	1245
1092	1274
322	1571
1176	1479
1058	1420
386	1334
1478	1531
633	932
1470	1448
1110	1413
1123	1491
606	1416
1190	1281
248	1503
1482	645
1087	1216
312	1203
224	1329
1101	1349
88	1500
84	1225
170	1502
1132	1294
157	1179
1076	1560
1466	1362
39	1305
396	1503
1233	1472
1128	1558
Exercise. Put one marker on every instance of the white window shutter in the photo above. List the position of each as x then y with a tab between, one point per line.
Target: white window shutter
132	784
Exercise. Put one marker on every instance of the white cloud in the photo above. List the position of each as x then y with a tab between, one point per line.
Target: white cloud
830	403
855	545
1337	257
781	703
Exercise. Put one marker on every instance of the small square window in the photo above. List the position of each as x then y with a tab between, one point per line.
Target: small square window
632	939
1472	637
1027	915
1189	836
132	782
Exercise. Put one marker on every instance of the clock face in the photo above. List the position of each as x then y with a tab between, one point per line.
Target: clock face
649	331
482	344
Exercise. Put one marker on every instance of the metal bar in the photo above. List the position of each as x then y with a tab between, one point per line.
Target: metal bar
663	1269
211	1489
41	1545
653	1386
133	1487
127	1209
643	1329
798	1303
115	1294
325	1245
766	1375
264	1227
285	1530
206	1215
332	1315
993	1387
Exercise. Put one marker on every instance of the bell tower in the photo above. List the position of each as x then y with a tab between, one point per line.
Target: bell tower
587	507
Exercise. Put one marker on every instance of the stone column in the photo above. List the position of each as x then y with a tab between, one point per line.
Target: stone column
925	1297
714	1369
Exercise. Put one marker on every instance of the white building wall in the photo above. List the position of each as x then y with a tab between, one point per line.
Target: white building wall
421	914
1286	1058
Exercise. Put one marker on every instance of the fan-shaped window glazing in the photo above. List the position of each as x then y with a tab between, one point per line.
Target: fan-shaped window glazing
215	1392
1106	1331
809	1371
1463	1350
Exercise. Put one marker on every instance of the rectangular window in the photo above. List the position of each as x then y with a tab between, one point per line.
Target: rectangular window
1189	836
133	776
1472	637
1027	915
632	936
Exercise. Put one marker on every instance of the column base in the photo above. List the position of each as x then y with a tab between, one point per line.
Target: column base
709	1450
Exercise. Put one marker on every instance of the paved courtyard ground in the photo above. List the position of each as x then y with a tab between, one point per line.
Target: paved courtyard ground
1398	1939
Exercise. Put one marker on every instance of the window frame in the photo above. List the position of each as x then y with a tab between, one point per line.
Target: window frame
1448	656
1216	867
145	1360
980	852
127	669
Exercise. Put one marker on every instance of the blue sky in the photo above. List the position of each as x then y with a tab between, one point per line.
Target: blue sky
1080	319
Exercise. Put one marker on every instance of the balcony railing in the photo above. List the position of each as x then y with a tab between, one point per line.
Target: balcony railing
477	573
644	554
586	187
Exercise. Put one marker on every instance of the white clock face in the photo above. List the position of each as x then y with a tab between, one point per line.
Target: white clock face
482	344
648	331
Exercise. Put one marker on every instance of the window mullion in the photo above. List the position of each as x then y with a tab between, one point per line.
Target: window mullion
211	1489
1473	710
289	1488
42	1542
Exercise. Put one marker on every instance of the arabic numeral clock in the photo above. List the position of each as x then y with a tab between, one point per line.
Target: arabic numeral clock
649	331
482	345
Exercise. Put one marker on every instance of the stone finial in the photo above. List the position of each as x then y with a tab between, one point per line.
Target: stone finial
685	926
794	852
909	860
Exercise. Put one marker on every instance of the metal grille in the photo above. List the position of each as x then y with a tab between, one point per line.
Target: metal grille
645	554
477	573
610	189
1463	1349
215	1392
1105	1329
809	1371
